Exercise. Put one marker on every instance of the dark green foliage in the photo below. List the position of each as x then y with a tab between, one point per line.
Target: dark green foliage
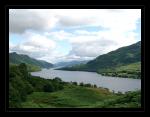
57	83
19	87
13	71
14	97
20	58
75	83
94	86
48	87
57	79
21	84
81	84
23	70
88	85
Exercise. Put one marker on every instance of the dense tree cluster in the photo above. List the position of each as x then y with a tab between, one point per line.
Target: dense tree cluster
21	83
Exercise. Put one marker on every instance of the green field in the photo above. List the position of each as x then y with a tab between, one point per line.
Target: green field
127	71
82	97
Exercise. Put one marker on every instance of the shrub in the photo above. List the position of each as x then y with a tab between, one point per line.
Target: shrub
48	87
88	85
94	86
75	83
81	84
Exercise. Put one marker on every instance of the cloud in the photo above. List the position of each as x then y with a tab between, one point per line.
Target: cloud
101	42
75	21
36	46
44	29
21	20
92	48
59	35
91	44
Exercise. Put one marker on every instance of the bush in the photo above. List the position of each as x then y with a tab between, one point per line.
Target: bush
75	83
14	97
57	86
21	83
94	86
81	84
23	70
88	85
48	87
57	79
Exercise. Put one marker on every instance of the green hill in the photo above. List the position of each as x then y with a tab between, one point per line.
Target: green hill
132	70
26	91
121	56
15	58
113	60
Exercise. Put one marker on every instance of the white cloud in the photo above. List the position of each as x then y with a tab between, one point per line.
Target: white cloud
36	45
21	20
59	35
101	43
91	44
120	25
36	19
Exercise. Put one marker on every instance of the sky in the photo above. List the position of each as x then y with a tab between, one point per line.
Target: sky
56	35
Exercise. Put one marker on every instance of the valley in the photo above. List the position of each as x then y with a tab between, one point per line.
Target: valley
39	84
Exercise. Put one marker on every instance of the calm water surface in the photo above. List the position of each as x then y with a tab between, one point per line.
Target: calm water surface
112	83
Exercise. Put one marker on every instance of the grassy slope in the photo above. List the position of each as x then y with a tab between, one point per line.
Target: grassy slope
76	97
131	71
31	68
20	58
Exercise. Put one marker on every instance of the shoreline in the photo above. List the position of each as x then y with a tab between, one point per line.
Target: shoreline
117	76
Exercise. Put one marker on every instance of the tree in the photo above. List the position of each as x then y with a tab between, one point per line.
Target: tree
23	70
75	83
88	85
94	86
57	79
48	87
81	84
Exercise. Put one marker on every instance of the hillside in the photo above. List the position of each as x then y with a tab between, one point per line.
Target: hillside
15	58
132	70
26	91
112	60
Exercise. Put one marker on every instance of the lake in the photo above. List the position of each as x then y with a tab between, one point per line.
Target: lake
112	83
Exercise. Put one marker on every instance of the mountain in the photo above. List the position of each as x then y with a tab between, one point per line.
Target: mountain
123	56
15	58
69	64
